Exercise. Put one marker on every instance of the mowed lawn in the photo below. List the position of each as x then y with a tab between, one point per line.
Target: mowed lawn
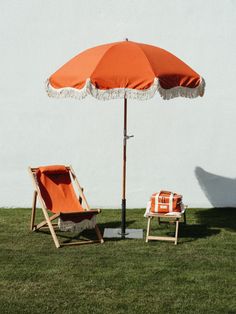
120	276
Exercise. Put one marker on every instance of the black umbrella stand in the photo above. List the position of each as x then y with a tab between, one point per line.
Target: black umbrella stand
123	232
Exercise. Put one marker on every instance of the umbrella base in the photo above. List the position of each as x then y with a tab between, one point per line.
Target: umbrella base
129	233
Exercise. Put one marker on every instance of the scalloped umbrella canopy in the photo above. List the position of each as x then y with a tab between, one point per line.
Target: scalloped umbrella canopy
125	70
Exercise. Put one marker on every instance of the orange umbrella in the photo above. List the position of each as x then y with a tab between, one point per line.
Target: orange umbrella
125	70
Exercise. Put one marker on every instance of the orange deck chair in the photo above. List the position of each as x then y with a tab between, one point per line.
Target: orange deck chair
56	193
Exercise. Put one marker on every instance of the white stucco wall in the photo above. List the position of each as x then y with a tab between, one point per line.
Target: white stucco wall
184	145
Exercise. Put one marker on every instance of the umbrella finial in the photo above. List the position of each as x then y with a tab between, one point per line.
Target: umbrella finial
127	39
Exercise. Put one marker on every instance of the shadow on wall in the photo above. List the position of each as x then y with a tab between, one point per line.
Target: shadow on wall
220	191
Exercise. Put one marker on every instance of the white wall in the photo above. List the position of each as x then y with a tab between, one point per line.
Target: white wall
184	145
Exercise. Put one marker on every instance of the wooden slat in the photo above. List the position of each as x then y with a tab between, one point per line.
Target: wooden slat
80	242
176	231
33	211
161	238
160	215
43	223
79	188
92	211
148	228
99	235
55	225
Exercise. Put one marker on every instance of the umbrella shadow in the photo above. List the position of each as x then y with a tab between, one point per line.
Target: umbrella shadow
196	231
221	193
189	232
223	218
219	190
69	237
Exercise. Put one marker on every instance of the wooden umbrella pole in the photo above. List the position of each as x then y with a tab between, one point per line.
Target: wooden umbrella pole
123	213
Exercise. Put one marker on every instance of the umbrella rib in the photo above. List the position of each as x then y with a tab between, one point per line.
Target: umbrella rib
140	48
104	54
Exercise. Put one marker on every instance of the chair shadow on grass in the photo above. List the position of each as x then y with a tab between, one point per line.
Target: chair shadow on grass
210	223
223	218
89	233
192	232
187	232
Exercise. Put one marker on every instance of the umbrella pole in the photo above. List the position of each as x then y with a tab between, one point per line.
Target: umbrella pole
123	213
123	232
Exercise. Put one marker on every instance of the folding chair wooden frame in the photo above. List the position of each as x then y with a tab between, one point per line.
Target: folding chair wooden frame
47	223
174	218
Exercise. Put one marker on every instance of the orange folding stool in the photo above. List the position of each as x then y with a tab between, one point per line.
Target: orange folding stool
56	193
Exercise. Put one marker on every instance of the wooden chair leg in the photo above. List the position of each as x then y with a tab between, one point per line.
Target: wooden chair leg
44	224
176	231
50	226
33	211
99	235
148	228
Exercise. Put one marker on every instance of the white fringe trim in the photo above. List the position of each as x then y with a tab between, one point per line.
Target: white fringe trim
76	227
180	91
114	93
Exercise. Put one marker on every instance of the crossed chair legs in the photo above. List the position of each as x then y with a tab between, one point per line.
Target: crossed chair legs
47	223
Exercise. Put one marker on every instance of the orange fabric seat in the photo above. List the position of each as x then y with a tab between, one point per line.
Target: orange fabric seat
57	189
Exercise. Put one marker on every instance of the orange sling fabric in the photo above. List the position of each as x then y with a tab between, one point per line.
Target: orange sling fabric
57	190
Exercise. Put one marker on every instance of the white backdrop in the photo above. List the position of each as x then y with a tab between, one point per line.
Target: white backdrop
184	145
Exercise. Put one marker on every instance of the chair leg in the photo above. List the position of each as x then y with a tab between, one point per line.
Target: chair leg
44	224
148	228
50	226
176	230
99	235
33	211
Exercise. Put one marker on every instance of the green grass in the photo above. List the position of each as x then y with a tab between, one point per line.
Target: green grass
120	276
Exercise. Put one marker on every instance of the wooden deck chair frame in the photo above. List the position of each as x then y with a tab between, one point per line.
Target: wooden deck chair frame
47	223
175	218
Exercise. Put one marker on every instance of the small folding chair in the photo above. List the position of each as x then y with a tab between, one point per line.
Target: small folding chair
173	217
